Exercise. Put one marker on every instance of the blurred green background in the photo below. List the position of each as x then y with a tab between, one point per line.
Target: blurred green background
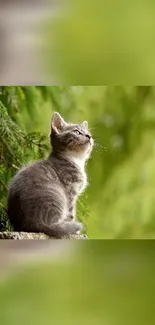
88	282
119	201
101	42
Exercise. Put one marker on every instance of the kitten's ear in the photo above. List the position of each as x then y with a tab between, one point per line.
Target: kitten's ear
57	123
85	124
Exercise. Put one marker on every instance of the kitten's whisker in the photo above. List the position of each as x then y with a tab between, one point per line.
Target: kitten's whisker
92	129
97	145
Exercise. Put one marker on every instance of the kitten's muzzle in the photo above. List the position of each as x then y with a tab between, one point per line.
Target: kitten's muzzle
89	139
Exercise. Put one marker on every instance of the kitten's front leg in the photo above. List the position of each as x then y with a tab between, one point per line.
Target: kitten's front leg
72	216
71	213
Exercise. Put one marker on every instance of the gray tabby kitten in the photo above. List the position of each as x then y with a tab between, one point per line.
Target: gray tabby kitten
42	196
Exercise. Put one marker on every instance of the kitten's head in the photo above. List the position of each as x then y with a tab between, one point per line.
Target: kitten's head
71	139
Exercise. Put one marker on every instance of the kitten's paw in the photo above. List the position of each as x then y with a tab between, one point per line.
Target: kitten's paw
78	227
82	229
83	236
70	218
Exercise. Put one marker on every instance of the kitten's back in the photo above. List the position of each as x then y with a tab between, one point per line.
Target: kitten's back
37	202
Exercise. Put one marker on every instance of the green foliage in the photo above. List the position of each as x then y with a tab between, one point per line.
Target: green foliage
17	147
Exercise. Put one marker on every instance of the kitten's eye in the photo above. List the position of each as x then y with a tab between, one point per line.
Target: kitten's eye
77	131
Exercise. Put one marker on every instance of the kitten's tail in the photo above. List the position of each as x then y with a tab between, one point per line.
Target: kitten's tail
63	229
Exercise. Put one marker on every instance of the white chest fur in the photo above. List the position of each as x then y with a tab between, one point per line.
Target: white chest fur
79	187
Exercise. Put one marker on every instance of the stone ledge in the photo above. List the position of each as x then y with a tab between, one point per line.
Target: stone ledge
27	235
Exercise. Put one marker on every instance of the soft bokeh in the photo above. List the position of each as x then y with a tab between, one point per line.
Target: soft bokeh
103	42
77	42
90	282
22	39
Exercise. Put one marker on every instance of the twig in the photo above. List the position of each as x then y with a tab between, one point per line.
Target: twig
4	142
33	142
6	188
3	207
15	167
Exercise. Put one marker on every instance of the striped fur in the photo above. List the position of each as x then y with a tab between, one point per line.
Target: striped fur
42	196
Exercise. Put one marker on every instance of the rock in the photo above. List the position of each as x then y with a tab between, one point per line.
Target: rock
29	235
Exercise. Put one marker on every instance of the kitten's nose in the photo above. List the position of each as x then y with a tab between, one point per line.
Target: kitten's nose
88	136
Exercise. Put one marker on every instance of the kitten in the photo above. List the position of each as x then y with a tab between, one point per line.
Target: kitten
42	196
